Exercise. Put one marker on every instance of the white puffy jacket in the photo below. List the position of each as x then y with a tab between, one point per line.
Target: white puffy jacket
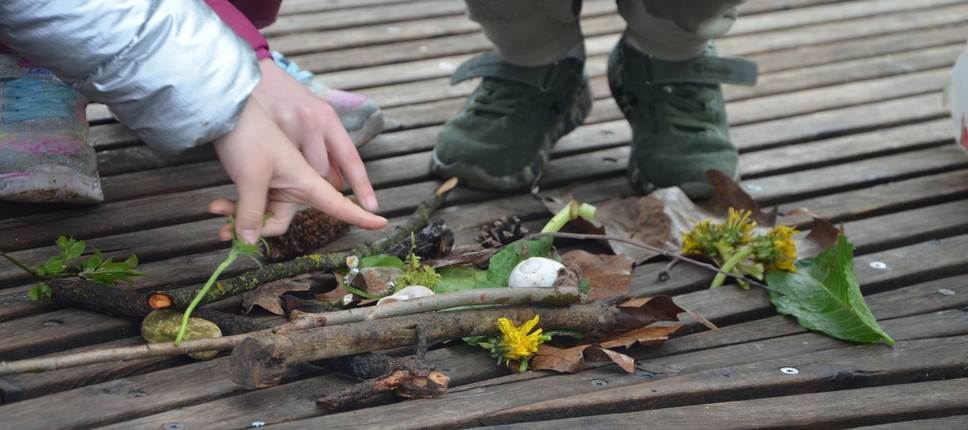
170	70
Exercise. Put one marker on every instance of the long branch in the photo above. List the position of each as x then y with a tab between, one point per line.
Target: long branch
441	301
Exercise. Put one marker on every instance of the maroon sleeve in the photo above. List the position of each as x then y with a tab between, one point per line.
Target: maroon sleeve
242	26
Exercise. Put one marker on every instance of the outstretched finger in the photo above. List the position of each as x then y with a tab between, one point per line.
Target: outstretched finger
324	197
351	167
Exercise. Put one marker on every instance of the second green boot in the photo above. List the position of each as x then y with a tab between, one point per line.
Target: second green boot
678	117
502	136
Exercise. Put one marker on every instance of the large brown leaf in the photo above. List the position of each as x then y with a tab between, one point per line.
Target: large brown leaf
608	275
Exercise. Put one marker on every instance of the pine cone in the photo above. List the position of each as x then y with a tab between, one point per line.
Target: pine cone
501	232
309	231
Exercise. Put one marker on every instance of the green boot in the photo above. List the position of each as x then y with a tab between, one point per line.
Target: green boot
679	126
501	137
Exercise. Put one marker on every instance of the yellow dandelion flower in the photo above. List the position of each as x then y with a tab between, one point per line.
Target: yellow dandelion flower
516	343
738	228
776	249
701	240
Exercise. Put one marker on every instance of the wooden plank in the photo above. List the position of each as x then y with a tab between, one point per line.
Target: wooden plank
599	46
15	388
41	334
952	422
500	404
906	405
123	398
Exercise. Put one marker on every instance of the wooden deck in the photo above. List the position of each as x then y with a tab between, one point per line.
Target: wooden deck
847	120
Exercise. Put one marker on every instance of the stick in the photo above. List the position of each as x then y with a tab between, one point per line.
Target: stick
452	299
483	296
312	263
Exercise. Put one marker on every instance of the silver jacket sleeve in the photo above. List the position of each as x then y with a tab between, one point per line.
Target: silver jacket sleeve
170	70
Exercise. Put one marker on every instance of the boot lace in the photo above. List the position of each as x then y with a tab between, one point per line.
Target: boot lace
497	98
26	99
685	106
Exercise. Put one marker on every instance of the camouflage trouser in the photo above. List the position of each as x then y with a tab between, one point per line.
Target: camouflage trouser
536	32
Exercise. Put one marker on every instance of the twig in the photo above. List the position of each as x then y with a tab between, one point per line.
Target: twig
660	251
482	296
312	263
19	264
453	299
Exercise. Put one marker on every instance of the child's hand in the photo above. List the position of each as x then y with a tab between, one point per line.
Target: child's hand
314	127
273	176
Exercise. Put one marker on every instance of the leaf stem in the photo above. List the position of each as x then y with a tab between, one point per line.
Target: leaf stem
19	264
728	266
233	254
570	212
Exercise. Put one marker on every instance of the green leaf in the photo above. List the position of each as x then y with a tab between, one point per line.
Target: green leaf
381	260
460	278
39	291
71	248
824	295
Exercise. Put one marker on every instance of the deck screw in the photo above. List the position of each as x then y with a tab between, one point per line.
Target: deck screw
137	393
173	426
946	292
53	323
599	382
789	370
879	265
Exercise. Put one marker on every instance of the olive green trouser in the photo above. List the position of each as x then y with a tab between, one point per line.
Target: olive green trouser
537	32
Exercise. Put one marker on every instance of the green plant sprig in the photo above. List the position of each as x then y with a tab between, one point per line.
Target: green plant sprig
67	264
239	248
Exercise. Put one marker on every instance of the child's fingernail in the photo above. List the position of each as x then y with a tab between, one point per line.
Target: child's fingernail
371	204
249	236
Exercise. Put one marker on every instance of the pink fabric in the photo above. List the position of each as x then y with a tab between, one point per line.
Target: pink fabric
246	17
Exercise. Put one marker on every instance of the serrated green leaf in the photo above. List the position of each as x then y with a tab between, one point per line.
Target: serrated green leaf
824	295
73	248
381	260
95	261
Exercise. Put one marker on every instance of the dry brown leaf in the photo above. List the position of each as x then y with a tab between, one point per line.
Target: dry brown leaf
633	331
641	312
267	296
646	336
608	275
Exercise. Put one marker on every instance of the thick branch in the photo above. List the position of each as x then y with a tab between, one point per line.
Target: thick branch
262	361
